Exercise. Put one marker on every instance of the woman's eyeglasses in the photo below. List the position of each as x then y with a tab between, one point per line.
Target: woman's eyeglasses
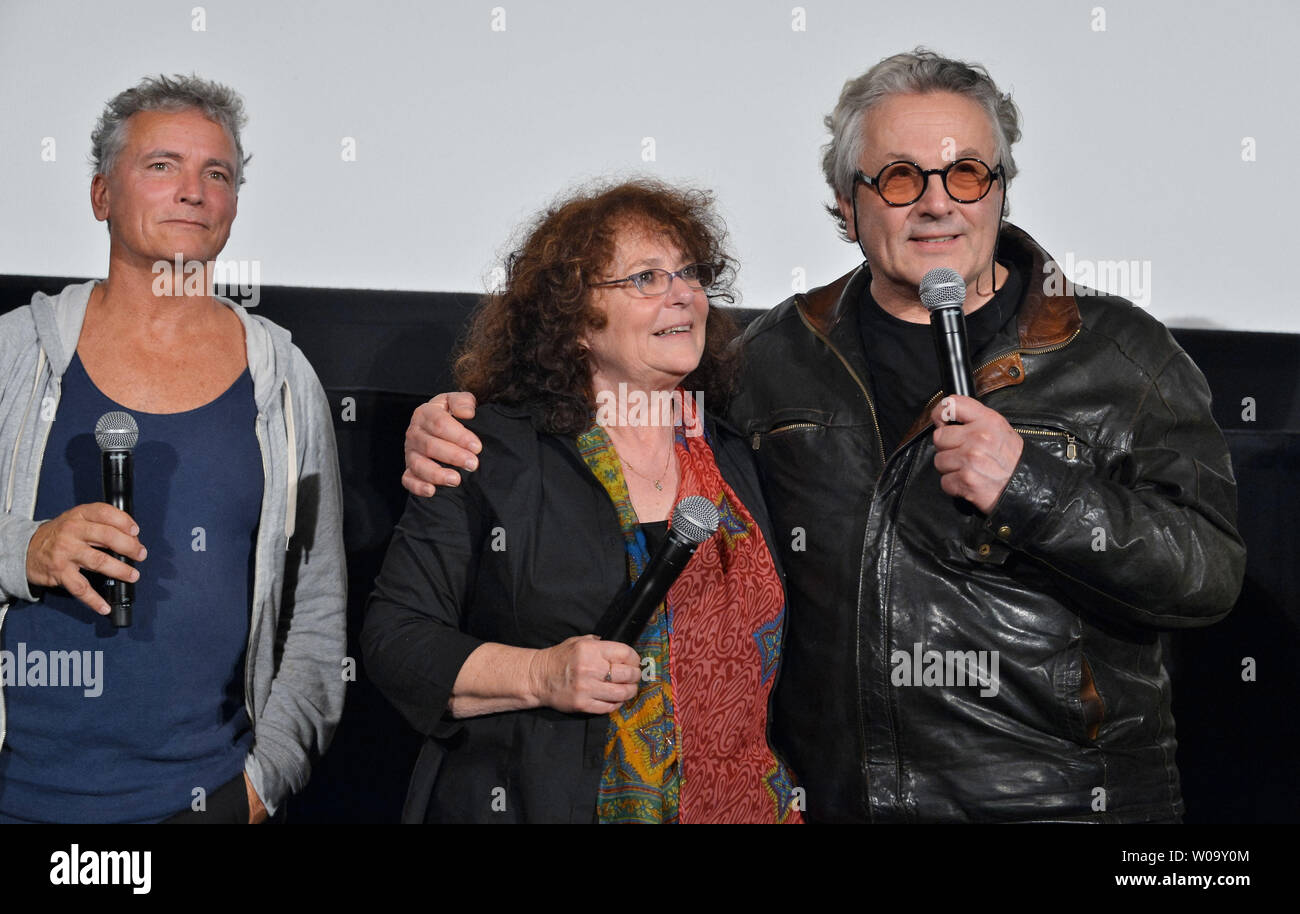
657	282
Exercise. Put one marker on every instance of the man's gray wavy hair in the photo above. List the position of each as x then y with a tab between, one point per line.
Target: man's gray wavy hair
216	102
911	72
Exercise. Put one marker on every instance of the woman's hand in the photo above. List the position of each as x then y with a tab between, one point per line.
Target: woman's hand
584	674
570	677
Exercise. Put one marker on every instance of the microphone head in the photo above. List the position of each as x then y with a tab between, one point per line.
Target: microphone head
696	518
116	431
942	288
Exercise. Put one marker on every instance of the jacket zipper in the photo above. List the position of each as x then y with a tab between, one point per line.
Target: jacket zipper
757	438
1039	350
1071	451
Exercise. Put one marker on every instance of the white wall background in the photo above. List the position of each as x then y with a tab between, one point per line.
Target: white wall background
1133	147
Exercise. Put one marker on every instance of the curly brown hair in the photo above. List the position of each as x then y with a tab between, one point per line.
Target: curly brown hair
523	346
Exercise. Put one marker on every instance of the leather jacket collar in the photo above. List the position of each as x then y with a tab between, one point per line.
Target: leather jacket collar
1044	321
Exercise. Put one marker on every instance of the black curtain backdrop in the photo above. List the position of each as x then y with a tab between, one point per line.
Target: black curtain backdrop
379	354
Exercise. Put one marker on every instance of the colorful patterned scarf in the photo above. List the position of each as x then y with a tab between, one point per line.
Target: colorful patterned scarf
692	745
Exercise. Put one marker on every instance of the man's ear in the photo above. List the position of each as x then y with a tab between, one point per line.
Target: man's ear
99	197
846	211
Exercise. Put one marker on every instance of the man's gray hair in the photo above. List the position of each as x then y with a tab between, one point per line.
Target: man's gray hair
214	101
911	72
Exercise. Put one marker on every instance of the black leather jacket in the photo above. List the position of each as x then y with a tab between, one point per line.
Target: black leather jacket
1117	523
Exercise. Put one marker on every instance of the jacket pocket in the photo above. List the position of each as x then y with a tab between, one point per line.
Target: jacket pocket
1065	445
792	446
1090	700
1080	707
1055	437
785	423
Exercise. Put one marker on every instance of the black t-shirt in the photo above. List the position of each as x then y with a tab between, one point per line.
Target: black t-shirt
902	364
655	534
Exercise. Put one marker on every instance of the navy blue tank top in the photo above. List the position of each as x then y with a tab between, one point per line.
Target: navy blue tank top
127	725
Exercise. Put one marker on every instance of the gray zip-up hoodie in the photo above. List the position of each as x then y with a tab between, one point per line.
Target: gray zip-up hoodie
293	681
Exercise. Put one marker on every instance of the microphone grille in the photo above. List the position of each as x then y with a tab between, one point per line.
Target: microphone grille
942	288
696	518
116	431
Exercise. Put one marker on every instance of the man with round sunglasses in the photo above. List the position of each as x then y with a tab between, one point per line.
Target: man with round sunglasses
976	585
976	602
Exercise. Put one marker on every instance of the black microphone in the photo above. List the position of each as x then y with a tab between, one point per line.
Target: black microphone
116	434
695	519
943	292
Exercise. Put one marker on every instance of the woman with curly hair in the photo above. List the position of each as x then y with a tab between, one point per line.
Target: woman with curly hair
480	626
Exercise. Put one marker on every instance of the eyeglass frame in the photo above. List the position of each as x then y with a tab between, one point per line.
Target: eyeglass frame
996	174
672	274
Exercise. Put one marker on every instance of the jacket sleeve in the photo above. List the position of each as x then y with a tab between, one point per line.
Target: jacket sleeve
305	701
1152	531
18	347
414	641
15	535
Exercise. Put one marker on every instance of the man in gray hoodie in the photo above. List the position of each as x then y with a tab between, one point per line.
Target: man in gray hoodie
212	703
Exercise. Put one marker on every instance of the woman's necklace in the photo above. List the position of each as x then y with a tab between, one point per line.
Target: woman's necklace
658	483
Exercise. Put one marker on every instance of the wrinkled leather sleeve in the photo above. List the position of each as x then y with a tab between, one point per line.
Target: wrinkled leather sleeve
1164	509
